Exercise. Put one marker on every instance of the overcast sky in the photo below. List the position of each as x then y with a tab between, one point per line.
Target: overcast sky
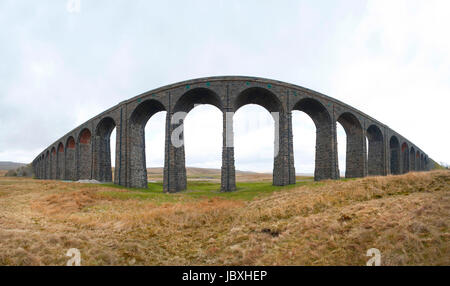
59	67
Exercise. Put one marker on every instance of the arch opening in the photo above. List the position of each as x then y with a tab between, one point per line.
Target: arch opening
70	161
104	129
155	129
394	146
198	99
405	158
417	159
283	172
207	152
85	155
53	163
138	121
60	162
375	157
254	134
355	159
412	159
47	165
321	146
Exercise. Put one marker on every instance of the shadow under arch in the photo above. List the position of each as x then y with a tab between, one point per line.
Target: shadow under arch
60	161
356	145
405	158
102	151
422	162
394	147
84	157
412	159
376	157
139	117
324	167
53	163
70	160
417	160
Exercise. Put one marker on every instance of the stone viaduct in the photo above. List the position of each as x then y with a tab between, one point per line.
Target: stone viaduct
84	152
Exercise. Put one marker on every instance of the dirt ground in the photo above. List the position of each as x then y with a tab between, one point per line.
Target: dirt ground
406	217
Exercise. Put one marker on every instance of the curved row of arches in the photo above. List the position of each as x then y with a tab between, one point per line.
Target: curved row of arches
69	160
88	155
404	159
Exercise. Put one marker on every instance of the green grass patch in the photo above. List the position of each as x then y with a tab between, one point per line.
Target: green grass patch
200	190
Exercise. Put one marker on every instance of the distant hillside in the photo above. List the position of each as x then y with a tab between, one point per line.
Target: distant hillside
10	165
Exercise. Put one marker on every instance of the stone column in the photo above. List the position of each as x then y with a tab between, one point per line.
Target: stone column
60	166
85	160
53	166
137	176
174	162
102	159
412	161
70	164
228	177
376	157
326	161
120	171
283	170
387	153
356	154
291	180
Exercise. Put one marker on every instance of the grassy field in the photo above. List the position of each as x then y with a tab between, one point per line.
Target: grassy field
312	223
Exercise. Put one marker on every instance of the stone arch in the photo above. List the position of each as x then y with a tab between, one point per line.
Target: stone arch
60	162
186	103
70	160
195	96
138	119
85	154
53	163
356	145
102	162
325	166
283	170
376	156
405	158
394	147
412	159
260	96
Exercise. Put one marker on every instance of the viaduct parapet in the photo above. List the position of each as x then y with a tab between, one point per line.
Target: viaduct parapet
84	152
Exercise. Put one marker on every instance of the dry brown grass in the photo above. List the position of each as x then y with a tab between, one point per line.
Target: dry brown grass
332	223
